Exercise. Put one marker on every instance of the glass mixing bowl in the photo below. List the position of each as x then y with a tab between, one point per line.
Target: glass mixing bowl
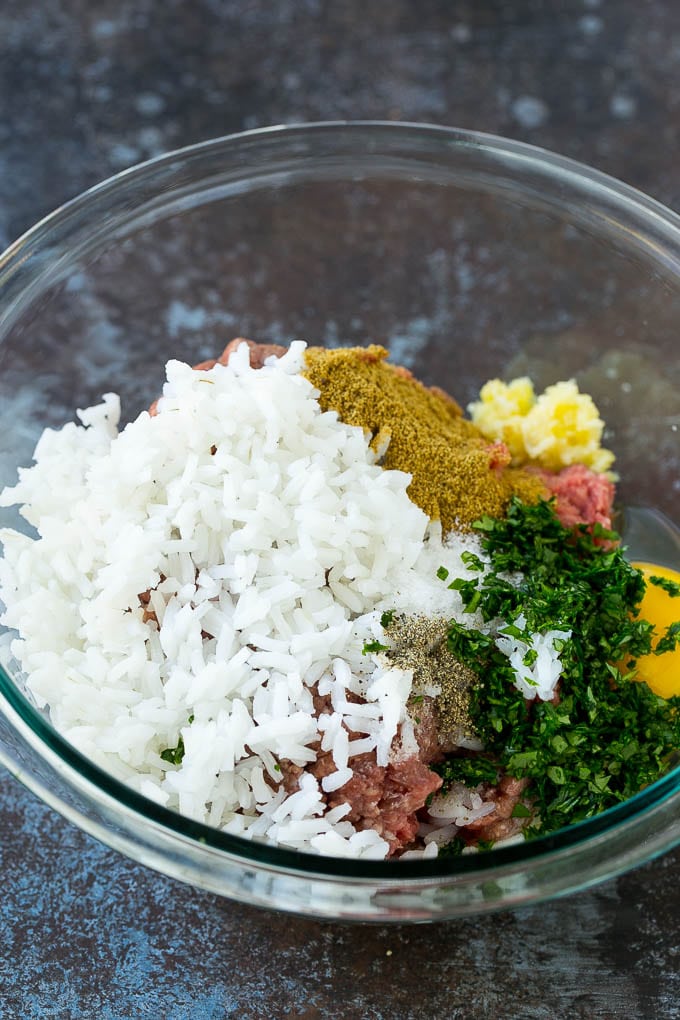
469	257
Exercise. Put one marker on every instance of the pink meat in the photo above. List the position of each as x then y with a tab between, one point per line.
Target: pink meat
386	798
583	496
499	456
258	352
408	784
500	824
258	355
426	732
363	792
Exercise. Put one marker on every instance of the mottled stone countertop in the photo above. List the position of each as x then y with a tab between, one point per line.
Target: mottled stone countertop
88	87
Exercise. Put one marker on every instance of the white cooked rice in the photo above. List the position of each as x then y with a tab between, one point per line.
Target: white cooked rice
269	541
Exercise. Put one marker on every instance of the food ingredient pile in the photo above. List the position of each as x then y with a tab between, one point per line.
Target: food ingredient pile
304	599
455	473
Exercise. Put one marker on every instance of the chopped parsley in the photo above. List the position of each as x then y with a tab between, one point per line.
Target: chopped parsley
374	646
454	848
671	587
670	639
609	735
175	755
387	618
485	844
457	845
471	561
469	770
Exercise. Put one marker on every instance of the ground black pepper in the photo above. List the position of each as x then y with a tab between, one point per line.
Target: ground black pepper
419	643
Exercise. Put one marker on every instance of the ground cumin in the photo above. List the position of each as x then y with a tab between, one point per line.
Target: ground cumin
457	474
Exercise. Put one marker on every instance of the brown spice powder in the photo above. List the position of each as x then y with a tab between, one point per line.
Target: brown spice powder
457	475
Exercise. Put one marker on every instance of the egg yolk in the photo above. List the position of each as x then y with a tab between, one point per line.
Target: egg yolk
660	672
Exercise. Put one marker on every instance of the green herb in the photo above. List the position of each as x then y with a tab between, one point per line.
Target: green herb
386	618
442	573
174	755
610	735
458	844
470	771
485	523
670	639
471	561
521	811
672	587
452	849
374	646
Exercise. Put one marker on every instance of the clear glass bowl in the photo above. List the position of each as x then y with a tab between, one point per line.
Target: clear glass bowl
469	256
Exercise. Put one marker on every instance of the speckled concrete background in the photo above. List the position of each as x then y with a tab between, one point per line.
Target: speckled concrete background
90	86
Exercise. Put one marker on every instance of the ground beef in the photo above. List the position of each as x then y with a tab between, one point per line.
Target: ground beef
499	456
148	615
434	740
426	730
408	785
258	354
290	775
363	792
583	496
387	798
499	823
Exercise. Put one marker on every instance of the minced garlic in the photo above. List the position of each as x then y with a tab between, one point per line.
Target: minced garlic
560	427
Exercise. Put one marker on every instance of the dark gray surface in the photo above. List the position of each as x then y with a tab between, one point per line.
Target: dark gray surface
89	87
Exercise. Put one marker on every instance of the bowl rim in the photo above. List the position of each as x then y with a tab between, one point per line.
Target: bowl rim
526	152
521	154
